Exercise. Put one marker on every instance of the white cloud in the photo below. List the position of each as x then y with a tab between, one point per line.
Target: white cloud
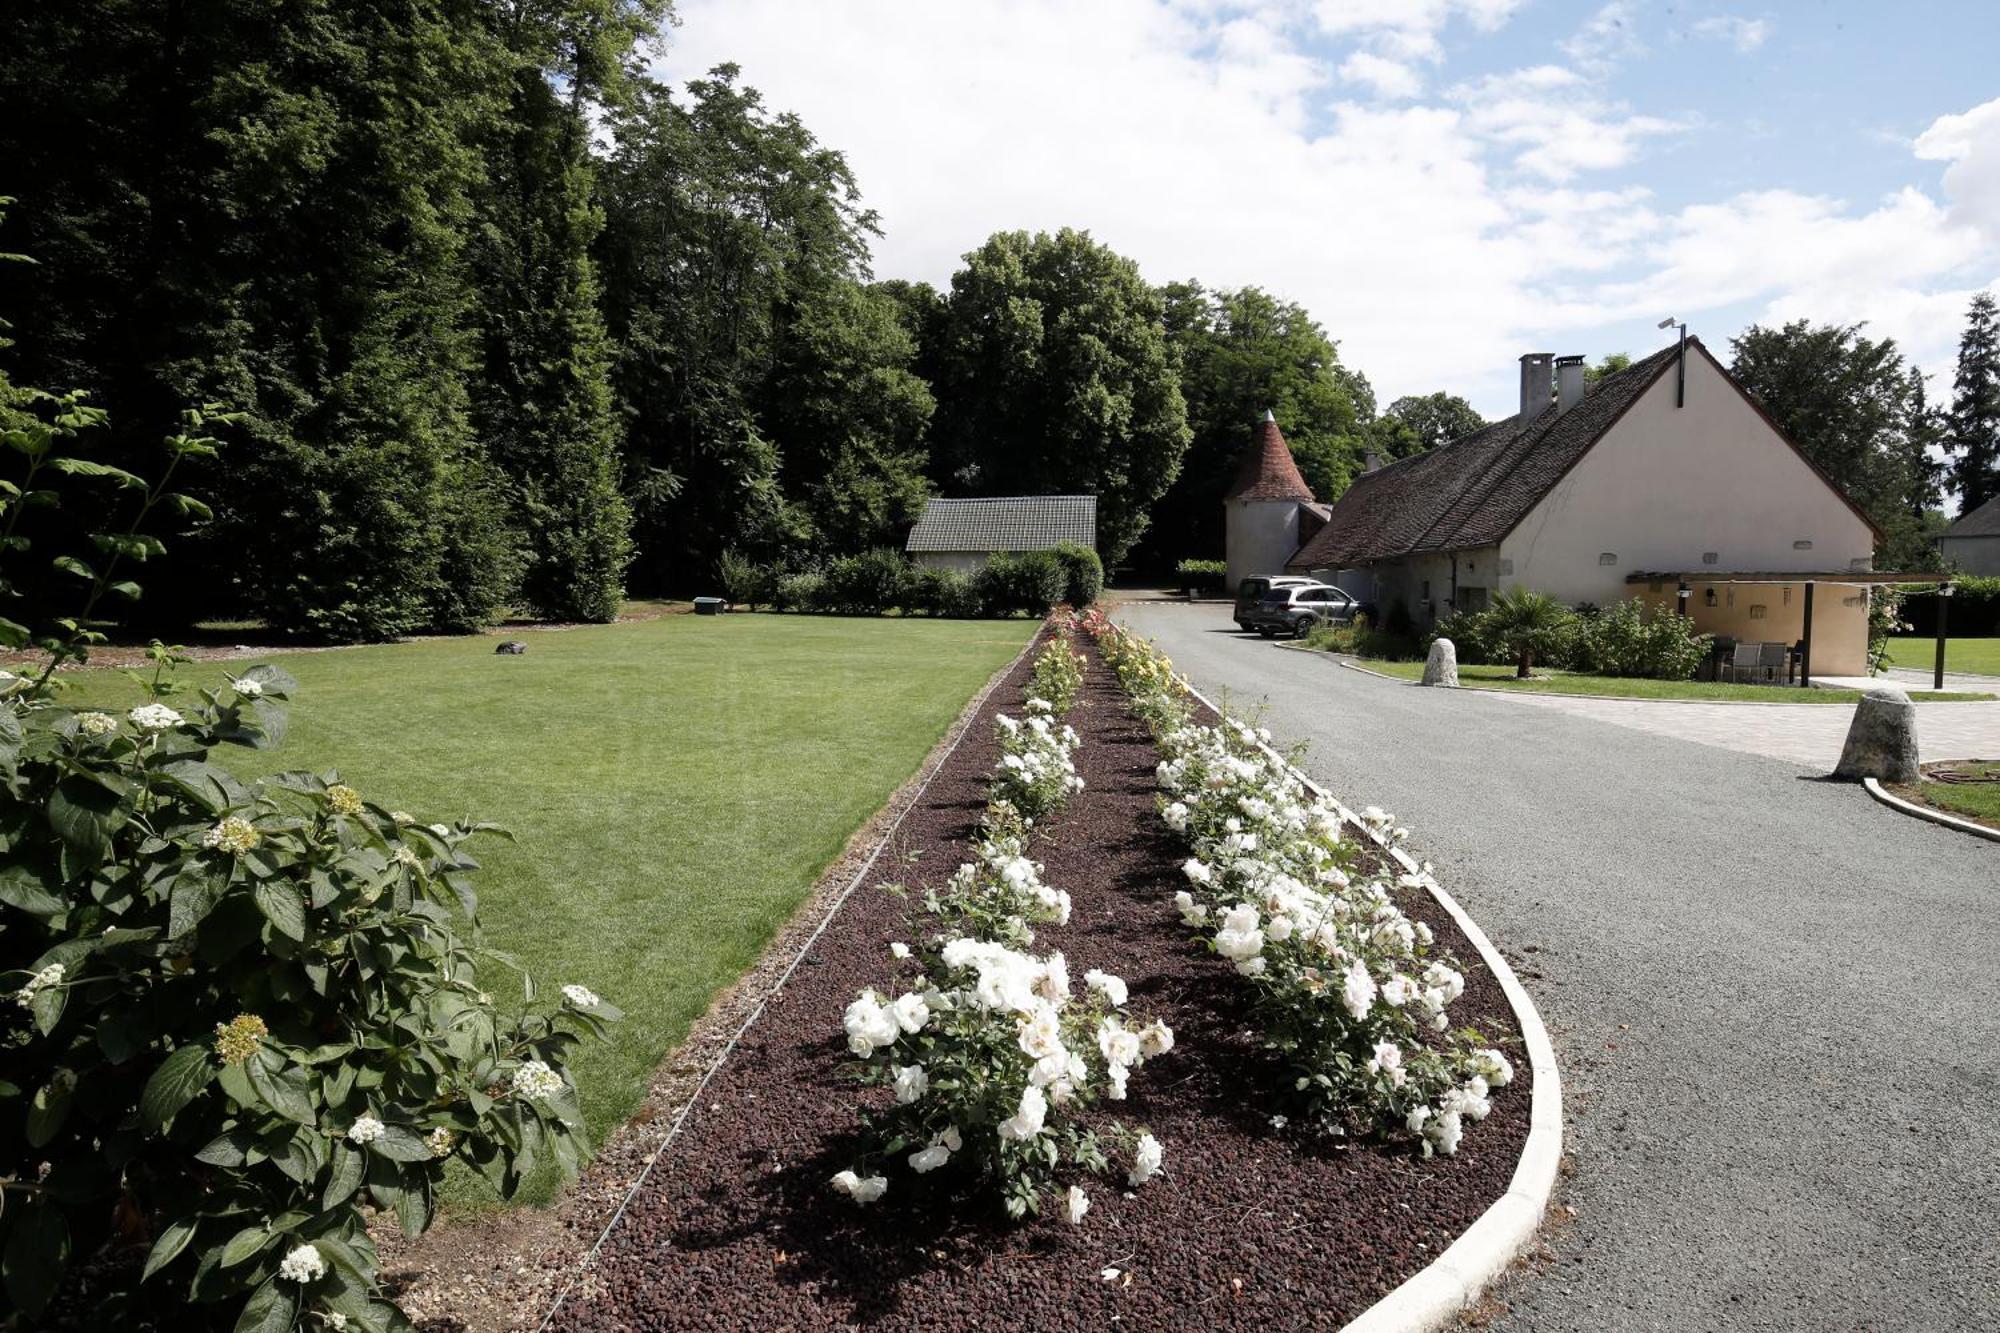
1436	240
1746	35
1389	78
1408	29
1609	36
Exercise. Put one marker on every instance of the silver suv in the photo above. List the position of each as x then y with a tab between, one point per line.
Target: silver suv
1296	609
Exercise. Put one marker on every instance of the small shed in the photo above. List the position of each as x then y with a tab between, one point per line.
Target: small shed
1972	545
962	533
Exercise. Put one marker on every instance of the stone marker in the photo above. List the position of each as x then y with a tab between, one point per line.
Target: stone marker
1441	667
1882	739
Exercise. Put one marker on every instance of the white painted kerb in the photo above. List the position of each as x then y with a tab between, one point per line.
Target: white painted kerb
1453	1281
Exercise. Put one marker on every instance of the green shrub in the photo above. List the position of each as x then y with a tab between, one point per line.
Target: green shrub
1631	639
1470	637
1083	573
1528	625
864	585
746	582
1031	581
1362	639
941	592
797	592
1202	575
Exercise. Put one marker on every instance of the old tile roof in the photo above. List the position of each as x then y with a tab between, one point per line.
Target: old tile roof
1981	522
1266	471
1005	523
1472	491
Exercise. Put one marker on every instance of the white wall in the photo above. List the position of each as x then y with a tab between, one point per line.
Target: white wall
1972	555
1667	486
1262	536
966	562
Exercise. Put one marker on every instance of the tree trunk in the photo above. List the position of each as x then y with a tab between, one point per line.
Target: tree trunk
1527	664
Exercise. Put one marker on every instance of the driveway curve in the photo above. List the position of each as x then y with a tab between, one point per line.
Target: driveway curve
1774	1000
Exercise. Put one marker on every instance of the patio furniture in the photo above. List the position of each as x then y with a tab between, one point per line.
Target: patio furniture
1773	663
1745	660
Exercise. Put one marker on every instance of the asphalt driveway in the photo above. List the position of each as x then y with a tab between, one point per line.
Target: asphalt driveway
1774	1000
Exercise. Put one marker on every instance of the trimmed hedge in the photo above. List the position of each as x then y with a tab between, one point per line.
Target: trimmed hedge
880	581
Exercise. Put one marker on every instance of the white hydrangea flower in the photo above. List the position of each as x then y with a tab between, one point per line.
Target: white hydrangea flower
1146	1157
96	724
52	975
580	997
534	1081
303	1264
155	718
365	1129
248	689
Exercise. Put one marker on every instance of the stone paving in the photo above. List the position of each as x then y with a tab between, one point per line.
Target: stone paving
1809	735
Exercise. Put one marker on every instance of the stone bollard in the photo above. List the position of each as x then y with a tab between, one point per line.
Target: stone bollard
1441	667
1882	739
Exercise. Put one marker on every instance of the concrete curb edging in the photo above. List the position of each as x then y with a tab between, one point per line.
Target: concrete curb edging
1452	1282
1895	802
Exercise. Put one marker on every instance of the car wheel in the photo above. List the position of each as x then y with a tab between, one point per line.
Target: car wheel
1302	627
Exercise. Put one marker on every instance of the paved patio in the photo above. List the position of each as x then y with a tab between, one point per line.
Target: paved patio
1809	735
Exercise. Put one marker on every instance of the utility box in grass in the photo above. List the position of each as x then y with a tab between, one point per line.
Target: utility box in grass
709	606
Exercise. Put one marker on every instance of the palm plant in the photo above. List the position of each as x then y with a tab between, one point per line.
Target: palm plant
1526	623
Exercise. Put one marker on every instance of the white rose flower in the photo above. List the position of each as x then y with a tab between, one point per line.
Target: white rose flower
580	997
302	1265
925	1160
1196	871
1493	1065
861	1189
911	1012
1075	1204
1146	1157
1026	1122
1117	1074
365	1129
1041	1034
1110	987
1192	912
1156	1038
1357	990
1415	1120
911	1083
899	950
869	1025
1119	1046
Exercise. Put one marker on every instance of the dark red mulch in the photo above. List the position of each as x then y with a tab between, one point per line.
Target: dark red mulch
1246	1228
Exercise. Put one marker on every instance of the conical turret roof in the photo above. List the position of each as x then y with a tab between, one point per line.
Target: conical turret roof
1267	471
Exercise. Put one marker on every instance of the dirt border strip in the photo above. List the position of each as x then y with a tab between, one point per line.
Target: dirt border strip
904	801
1452	1283
1895	802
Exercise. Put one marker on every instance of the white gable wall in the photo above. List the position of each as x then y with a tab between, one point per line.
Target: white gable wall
1667	486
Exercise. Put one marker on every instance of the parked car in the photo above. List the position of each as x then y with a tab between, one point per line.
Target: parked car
1250	593
1295	610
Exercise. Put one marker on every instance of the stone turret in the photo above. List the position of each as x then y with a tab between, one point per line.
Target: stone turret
1263	506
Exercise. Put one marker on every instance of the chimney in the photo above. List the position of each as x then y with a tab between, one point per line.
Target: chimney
1370	461
1536	389
1569	382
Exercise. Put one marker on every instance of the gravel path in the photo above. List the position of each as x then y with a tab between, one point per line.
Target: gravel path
1772	998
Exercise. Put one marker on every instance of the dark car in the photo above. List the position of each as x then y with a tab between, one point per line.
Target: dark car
1295	610
1250	593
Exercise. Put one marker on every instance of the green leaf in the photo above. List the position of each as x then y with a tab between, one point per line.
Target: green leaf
13	634
50	1107
36	1254
279	1092
400	1144
85	815
282	907
272	1308
247	1244
27	888
174	1084
84	467
69	564
196	892
125	588
231	1149
169	1246
345	1177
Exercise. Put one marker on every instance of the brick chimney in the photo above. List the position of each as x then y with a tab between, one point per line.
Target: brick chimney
1569	382
1536	385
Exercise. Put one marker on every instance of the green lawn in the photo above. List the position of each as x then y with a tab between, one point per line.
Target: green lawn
675	786
1978	801
1981	656
1566	682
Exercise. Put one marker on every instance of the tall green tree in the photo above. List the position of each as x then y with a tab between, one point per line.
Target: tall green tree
1055	375
721	218
1241	353
1857	409
1435	418
1973	433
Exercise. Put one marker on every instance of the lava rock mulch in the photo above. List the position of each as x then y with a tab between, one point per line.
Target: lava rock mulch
1247	1227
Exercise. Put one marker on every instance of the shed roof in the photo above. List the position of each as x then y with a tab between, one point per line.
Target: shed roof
1981	522
1005	523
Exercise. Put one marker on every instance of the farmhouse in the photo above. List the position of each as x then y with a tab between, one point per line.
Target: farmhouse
962	533
1665	481
1972	545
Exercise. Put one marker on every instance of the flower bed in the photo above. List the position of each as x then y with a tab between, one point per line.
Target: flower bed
1245	1225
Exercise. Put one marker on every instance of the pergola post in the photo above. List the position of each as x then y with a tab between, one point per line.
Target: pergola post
1943	609
1805	642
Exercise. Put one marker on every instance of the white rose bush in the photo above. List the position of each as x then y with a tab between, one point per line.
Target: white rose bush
1058	671
992	1052
1342	981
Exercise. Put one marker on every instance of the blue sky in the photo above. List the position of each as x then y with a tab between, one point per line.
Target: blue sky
1444	183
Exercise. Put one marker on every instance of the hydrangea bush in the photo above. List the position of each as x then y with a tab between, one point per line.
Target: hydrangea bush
244	1014
1344	983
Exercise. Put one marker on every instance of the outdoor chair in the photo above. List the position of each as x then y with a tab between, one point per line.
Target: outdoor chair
1772	663
1744	660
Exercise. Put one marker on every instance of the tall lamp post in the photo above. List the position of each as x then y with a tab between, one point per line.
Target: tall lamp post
1944	610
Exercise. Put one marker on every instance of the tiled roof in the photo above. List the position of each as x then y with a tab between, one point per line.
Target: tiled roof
1005	523
1981	522
1266	471
1472	491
